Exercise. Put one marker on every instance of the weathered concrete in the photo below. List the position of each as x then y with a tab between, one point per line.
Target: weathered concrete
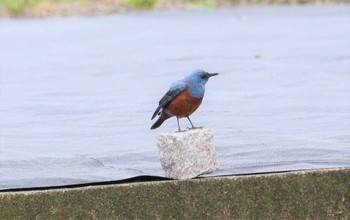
298	195
188	154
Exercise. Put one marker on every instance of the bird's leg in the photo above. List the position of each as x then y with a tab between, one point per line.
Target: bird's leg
178	125
193	127
190	122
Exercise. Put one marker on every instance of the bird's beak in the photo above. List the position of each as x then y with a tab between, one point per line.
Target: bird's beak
212	74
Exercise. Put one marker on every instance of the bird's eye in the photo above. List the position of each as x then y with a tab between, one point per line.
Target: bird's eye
203	76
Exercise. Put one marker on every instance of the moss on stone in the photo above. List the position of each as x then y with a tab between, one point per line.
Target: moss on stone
299	195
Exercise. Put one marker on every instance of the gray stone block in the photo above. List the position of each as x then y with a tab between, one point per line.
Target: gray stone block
187	154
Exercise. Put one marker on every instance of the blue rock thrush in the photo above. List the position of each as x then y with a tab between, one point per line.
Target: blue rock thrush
183	98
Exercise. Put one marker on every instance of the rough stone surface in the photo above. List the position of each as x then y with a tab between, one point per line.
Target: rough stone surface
187	154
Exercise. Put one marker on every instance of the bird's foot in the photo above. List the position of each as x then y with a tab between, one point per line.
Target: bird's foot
187	129
200	127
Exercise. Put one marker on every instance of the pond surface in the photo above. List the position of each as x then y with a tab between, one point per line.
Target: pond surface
77	93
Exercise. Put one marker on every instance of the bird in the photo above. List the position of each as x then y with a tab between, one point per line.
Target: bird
182	98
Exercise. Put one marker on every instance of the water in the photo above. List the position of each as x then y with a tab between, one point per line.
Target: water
77	93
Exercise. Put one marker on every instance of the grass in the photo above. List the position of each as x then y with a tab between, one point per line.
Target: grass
140	3
35	8
204	3
16	6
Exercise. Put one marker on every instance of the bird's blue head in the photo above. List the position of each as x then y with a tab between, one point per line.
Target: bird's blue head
199	76
196	81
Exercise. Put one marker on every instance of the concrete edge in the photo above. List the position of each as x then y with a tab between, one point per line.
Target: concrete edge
301	194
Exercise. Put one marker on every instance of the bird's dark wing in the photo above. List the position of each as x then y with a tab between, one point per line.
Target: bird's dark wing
174	91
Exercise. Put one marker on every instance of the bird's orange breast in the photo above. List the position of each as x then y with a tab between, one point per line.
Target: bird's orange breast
184	104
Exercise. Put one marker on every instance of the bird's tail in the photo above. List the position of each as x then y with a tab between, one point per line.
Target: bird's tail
158	123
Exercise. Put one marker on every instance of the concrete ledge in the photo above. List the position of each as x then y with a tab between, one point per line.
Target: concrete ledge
321	194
